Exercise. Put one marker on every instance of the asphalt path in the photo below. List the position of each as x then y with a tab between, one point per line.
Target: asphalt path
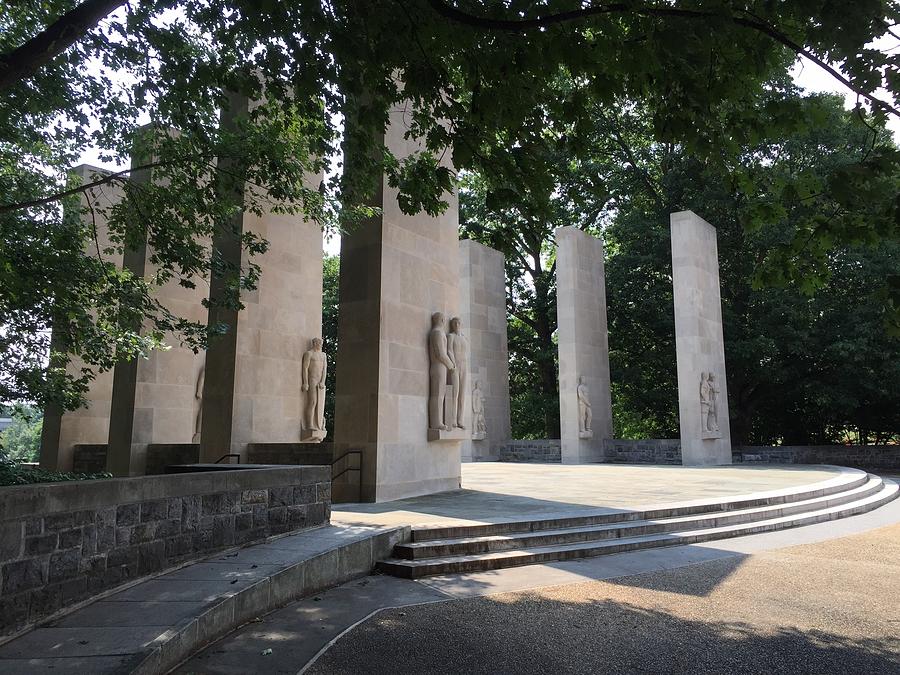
829	607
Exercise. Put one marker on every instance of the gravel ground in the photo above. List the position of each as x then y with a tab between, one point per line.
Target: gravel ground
832	607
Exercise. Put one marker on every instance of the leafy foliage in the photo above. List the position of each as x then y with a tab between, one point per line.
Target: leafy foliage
21	441
331	267
13	474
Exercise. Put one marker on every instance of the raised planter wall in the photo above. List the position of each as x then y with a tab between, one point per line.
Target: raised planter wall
63	542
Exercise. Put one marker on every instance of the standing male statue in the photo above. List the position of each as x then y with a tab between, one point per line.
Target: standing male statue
479	428
313	368
708	419
441	364
198	396
458	347
584	410
713	404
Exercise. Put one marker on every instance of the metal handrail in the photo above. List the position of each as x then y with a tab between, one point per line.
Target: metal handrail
349	468
230	454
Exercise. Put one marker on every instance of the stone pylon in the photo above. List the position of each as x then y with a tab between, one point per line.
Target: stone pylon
483	312
252	389
396	271
88	425
699	343
583	346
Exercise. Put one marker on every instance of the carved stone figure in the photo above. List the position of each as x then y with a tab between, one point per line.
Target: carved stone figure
584	410
704	401
479	428
458	348
441	363
713	403
709	421
198	397
313	369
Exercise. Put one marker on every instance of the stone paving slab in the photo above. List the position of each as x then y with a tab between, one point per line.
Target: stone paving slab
165	589
152	625
86	665
130	613
80	641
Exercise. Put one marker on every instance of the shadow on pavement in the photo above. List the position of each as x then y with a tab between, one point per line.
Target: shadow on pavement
533	634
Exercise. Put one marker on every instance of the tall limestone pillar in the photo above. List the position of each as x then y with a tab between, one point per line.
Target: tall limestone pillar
140	403
252	387
585	406
88	425
699	344
483	311
155	400
396	271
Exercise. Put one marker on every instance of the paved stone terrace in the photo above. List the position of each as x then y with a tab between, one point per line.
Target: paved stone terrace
497	491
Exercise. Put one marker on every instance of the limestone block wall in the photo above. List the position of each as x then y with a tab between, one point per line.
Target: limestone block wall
280	319
63	542
482	282
90	424
396	270
583	342
699	343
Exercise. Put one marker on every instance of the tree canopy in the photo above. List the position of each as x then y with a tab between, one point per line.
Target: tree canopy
481	79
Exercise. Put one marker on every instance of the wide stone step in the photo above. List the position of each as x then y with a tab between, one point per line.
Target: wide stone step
847	480
641	526
414	569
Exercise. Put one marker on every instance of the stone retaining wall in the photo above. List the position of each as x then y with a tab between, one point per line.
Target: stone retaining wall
668	451
643	451
542	450
874	457
63	542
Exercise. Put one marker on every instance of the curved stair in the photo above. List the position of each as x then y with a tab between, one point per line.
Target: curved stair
473	548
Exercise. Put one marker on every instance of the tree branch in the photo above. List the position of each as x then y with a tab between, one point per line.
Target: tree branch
109	178
23	61
516	25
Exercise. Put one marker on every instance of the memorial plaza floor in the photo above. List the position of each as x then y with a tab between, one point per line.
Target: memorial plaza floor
498	491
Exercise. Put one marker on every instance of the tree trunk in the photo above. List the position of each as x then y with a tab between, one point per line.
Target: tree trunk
23	61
